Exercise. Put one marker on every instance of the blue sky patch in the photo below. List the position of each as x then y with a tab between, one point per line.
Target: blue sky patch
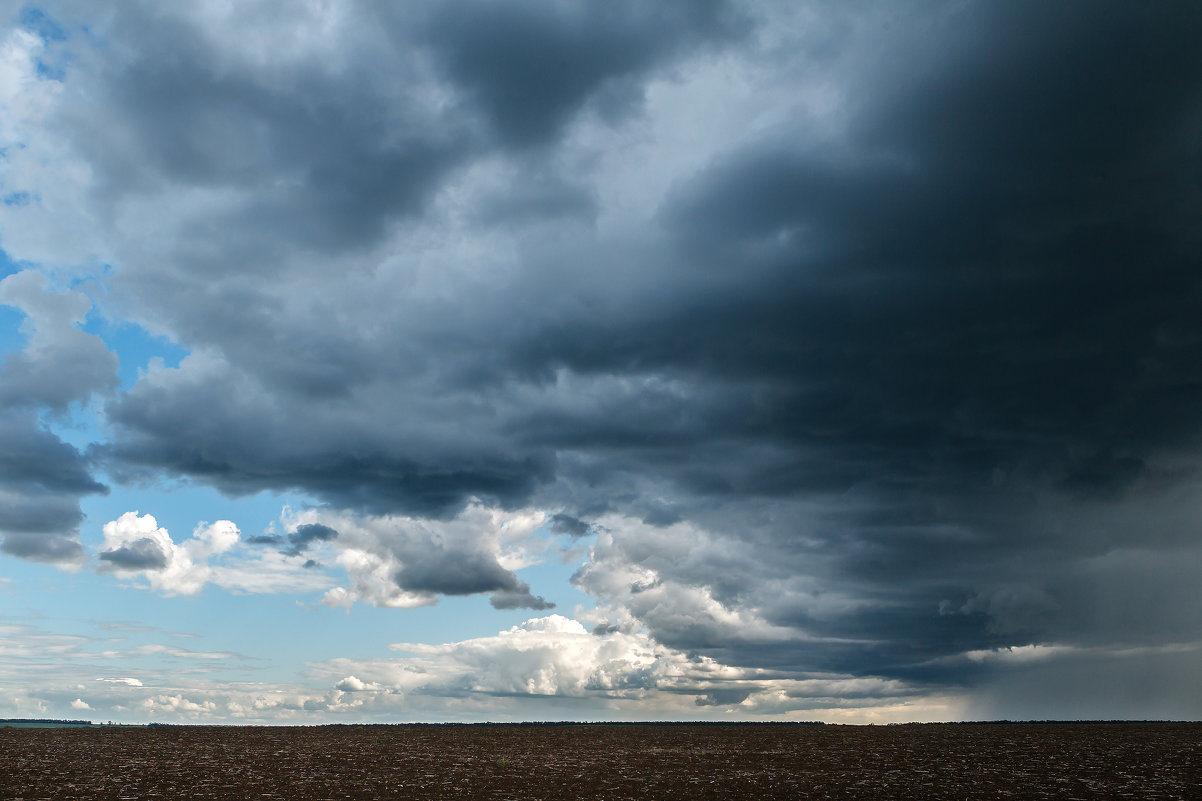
134	346
37	21
11	337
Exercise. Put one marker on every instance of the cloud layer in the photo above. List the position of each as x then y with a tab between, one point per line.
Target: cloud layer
851	342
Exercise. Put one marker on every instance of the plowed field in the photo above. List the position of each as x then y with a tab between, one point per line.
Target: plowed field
974	761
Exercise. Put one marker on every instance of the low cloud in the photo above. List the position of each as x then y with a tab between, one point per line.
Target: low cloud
142	554
306	534
178	704
42	480
404	561
61	364
558	658
571	526
128	681
351	684
135	545
518	597
296	541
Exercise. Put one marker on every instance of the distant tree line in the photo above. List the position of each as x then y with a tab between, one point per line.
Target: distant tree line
594	723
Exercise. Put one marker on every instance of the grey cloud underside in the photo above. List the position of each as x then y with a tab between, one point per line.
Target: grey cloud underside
528	69
53	548
531	195
451	573
932	384
519	597
264	539
572	526
432	569
61	364
143	554
58	379
302	161
305	535
42	480
36	461
348	469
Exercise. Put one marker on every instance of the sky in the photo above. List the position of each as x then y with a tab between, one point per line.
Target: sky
489	360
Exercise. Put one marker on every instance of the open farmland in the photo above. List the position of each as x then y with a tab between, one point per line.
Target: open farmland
933	761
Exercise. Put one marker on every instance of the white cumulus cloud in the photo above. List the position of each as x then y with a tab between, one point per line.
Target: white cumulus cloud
557	659
126	680
136	544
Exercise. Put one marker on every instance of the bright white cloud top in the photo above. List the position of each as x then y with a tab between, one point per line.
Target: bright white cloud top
599	360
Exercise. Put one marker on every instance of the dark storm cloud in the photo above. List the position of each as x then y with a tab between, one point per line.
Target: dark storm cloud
347	468
973	339
328	155
355	149
1065	689
536	197
915	381
181	112
530	67
994	271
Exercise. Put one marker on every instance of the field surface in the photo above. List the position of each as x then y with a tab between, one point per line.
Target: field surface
975	761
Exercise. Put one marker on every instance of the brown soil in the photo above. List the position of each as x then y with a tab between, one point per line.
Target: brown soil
976	761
